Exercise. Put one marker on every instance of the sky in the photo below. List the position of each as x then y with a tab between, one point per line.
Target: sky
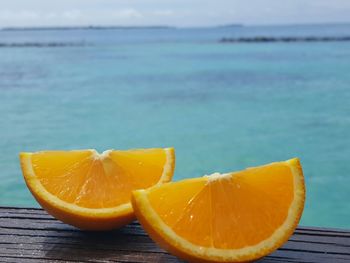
181	13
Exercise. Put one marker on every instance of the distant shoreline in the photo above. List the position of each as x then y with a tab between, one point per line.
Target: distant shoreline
82	28
222	40
264	39
44	44
42	28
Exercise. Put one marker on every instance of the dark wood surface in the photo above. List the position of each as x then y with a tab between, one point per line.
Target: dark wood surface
31	235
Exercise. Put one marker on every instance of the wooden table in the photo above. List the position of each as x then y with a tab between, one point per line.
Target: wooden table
31	235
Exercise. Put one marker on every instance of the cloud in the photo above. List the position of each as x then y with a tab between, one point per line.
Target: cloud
18	15
30	16
170	12
68	17
165	12
128	13
71	14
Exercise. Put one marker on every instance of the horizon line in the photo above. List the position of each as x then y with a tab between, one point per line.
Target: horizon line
160	26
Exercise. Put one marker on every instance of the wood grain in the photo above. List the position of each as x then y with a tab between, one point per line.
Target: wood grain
31	235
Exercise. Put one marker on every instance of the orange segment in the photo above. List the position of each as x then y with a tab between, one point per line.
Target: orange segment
91	190
233	217
139	162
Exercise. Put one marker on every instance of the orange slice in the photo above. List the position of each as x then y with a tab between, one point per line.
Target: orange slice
234	217
91	190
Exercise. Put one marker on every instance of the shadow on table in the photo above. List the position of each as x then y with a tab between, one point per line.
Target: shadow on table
128	244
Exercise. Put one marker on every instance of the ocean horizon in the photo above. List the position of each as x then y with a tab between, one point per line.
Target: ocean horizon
223	106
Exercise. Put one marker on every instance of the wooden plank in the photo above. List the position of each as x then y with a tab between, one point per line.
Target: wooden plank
31	235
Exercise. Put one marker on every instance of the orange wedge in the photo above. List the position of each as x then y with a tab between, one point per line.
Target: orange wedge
234	217
90	190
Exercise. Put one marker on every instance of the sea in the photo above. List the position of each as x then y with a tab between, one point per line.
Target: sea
223	106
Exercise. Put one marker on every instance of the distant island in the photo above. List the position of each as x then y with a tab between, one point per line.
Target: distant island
229	25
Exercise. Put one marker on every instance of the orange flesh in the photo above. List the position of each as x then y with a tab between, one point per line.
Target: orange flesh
241	203
94	181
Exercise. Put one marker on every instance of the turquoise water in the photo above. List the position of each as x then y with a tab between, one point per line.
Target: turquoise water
222	106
